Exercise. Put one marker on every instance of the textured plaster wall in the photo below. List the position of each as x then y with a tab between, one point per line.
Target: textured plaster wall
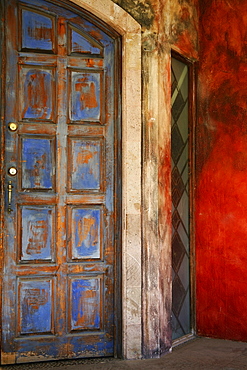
166	25
221	201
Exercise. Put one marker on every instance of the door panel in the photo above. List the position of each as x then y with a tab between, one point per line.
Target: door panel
35	306
37	93
36	232
86	233
85	95
37	163
86	164
60	214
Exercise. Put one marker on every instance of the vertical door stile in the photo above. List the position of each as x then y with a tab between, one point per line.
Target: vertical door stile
61	180
8	326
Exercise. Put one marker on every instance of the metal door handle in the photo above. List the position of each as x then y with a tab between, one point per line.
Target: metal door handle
10	187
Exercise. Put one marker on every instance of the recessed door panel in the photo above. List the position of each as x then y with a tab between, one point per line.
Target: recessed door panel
37	30
86	96
35	306
36	234
37	97
37	163
85	165
86	230
85	304
83	43
60	171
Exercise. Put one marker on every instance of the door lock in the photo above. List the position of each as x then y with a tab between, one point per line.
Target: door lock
12	126
10	187
12	171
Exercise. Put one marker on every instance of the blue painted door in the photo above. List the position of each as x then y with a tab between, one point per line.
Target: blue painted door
60	172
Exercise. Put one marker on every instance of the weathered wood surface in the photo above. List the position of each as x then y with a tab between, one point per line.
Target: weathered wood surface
59	262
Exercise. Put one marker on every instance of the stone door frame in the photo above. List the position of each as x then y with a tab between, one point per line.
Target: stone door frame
146	188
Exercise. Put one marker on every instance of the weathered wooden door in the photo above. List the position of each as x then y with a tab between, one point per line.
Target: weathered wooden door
60	132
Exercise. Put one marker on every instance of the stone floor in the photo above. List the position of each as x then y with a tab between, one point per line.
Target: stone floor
197	354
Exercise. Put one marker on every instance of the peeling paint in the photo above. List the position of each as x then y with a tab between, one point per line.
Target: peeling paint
141	10
59	263
184	16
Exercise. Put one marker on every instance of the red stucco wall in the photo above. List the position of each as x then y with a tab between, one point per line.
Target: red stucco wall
184	27
221	169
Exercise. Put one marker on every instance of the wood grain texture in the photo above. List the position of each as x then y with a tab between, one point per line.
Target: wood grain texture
59	265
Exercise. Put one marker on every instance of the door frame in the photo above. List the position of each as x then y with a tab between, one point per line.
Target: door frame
191	133
130	237
2	146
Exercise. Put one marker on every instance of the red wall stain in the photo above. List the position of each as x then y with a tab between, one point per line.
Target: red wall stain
186	47
221	151
184	27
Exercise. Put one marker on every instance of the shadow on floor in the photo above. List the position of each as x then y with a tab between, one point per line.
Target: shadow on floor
197	354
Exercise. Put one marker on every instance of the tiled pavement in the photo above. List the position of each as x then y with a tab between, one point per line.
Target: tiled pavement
198	354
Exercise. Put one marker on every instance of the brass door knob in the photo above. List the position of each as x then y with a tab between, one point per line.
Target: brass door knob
12	126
